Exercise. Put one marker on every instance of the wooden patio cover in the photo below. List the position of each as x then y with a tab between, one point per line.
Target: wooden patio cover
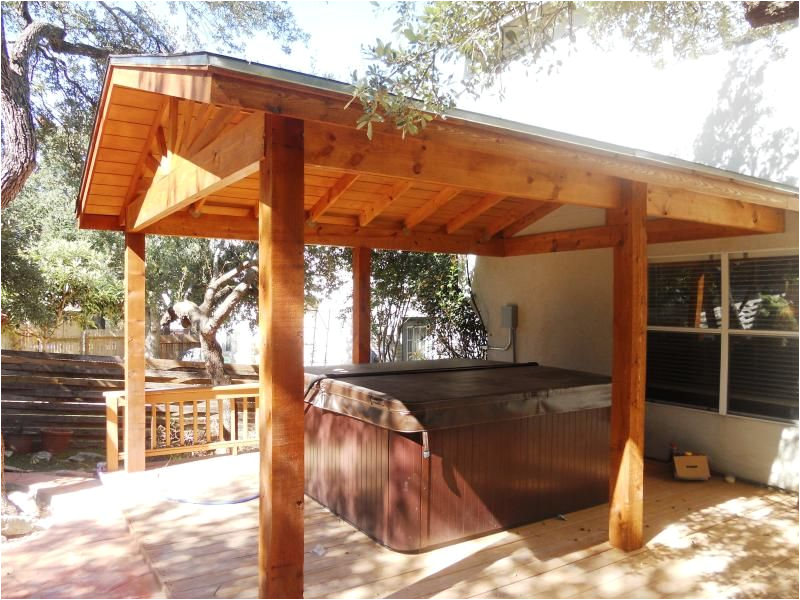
208	146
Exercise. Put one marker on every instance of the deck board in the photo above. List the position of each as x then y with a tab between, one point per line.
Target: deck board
704	539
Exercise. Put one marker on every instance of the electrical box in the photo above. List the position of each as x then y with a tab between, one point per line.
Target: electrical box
509	312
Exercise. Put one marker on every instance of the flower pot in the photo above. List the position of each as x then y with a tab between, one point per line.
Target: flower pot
21	443
56	439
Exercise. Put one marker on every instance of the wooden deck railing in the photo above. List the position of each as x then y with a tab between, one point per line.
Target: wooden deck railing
189	419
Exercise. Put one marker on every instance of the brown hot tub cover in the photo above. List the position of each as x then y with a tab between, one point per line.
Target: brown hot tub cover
441	394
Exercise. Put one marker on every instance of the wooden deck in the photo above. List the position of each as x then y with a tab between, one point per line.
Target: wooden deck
706	539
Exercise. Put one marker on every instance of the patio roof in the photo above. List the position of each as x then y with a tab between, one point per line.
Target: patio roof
207	146
177	142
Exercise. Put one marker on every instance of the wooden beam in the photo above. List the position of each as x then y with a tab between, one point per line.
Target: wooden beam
215	127
713	210
562	241
280	310
441	198
134	432
231	157
190	84
473	212
326	107
393	239
349	150
362	268
626	482
145	160
380	205
537	214
332	195
664	231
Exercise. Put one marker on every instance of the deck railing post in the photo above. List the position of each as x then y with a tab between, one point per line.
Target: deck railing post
280	313
112	432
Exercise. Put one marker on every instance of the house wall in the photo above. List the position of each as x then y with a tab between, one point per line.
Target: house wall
565	318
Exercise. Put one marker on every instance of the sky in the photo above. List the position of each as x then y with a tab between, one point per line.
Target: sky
612	96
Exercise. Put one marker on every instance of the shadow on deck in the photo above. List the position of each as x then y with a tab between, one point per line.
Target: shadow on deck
704	539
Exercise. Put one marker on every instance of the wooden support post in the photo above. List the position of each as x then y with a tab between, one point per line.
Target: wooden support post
134	434
626	479
280	313
362	267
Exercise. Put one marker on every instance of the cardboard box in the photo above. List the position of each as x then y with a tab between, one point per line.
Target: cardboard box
692	468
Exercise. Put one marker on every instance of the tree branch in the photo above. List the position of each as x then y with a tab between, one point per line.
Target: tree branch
214	284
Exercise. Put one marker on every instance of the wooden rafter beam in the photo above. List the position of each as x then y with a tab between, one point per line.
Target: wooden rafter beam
561	241
331	196
473	212
145	161
664	231
378	206
457	134
713	210
349	150
431	206
509	218
537	214
231	157
393	239
215	127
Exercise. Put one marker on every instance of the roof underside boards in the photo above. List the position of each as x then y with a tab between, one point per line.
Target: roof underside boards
176	149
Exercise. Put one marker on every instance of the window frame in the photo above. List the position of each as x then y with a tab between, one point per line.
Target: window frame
725	331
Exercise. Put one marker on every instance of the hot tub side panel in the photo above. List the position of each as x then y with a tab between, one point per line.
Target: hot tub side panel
347	470
483	478
479	478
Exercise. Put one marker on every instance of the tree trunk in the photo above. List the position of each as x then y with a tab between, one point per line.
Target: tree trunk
153	341
215	365
761	14
19	142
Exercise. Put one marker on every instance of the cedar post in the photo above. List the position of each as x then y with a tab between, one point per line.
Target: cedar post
280	323
134	432
362	267
626	481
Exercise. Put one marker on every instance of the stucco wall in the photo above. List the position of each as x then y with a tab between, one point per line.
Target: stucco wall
565	317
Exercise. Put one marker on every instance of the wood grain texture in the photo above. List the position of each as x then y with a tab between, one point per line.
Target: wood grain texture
362	268
349	150
525	221
473	212
134	432
690	206
314	105
280	309
561	241
331	196
626	482
184	179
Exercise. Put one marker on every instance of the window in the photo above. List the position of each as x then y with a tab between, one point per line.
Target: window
735	357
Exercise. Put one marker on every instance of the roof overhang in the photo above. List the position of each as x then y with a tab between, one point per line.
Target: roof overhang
177	142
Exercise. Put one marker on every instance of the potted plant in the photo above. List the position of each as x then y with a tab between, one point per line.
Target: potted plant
56	439
20	442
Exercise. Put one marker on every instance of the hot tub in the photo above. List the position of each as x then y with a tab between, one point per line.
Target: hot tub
422	454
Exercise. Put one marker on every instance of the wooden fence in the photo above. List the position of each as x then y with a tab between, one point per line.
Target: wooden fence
66	390
102	342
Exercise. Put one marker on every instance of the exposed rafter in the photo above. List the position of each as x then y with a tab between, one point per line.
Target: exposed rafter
473	212
537	214
232	156
431	206
378	206
331	196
